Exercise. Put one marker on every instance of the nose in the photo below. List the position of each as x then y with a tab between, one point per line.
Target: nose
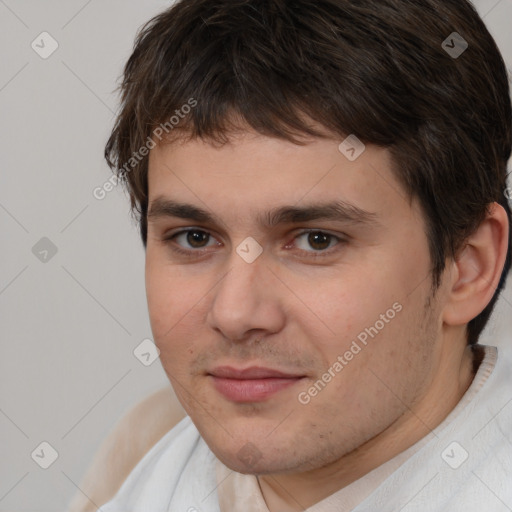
247	301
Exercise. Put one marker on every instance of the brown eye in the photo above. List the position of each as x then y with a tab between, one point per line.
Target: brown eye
318	240
191	242
196	238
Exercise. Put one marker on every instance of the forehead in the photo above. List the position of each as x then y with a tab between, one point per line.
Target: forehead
274	181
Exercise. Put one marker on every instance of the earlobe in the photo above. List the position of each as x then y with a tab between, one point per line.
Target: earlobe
478	268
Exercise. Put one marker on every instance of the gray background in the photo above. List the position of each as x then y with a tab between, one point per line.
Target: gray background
69	324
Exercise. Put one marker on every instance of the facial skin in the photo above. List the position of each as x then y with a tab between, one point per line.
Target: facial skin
292	312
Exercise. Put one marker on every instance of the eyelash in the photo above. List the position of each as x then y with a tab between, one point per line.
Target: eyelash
194	253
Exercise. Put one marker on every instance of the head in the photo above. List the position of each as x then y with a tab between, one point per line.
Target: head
241	107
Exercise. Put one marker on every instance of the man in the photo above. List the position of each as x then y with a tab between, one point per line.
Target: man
320	187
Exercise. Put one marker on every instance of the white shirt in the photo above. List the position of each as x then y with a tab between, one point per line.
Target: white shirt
464	465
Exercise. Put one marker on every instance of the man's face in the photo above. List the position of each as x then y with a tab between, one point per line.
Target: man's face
329	320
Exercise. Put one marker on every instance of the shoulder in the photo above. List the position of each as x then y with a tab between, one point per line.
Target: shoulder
168	456
179	460
133	436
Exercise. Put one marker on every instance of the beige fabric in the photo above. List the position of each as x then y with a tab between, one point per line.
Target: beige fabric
131	438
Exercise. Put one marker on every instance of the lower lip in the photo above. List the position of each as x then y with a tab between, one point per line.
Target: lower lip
255	390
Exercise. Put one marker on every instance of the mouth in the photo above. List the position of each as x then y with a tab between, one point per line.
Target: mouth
254	384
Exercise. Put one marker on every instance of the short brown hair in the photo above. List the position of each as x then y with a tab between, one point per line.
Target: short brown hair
375	69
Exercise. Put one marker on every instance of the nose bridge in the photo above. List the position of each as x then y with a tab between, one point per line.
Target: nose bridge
240	297
247	266
240	284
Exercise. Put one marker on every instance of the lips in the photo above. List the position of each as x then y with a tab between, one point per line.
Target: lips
254	372
254	384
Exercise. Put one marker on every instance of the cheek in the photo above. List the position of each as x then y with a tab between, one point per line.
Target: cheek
162	301
172	302
362	318
349	301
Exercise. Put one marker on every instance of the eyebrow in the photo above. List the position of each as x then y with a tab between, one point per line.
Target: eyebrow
340	211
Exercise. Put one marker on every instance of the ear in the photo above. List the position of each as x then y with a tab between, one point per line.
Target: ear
477	268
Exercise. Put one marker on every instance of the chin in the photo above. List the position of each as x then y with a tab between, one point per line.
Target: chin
247	466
